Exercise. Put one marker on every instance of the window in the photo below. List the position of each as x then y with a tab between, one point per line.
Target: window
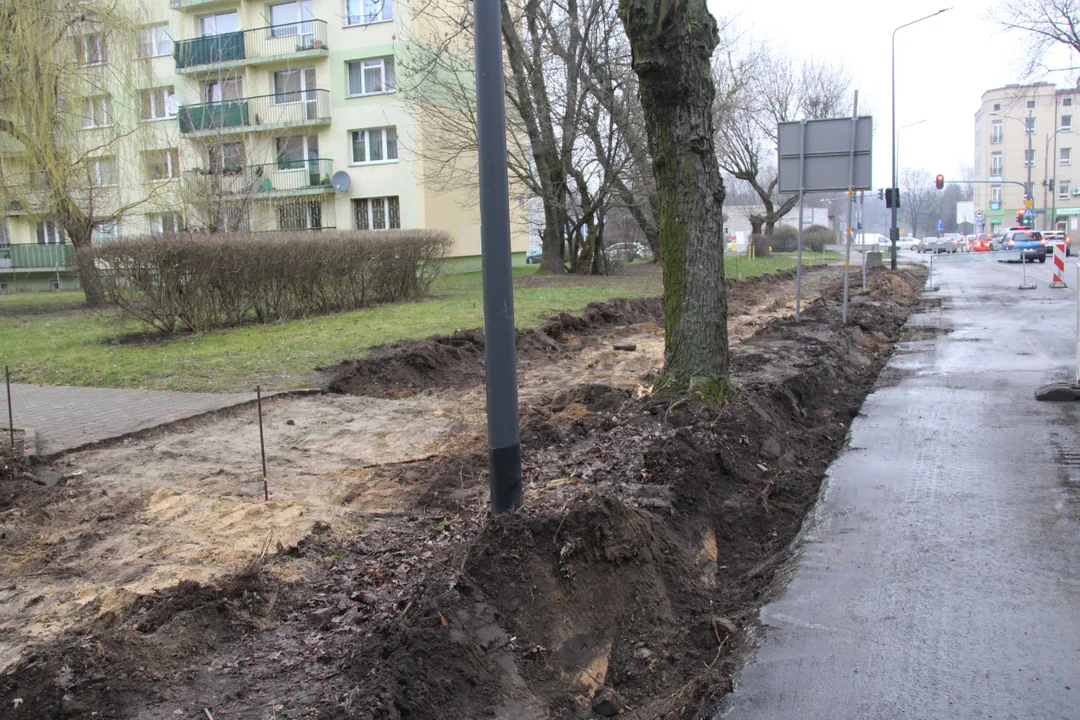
1067	102
365	12
995	196
49	233
215	91
284	18
1065	156
995	163
169	222
294	152
162	165
368	77
90	49
376	145
219	24
159	103
106	232
995	132
1066	123
97	112
377	213
290	85
227	158
300	215
1031	103
997	107
155	41
1063	190
1029	125
103	172
1029	158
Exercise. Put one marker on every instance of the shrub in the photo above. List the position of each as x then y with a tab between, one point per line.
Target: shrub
785	239
761	245
816	237
194	282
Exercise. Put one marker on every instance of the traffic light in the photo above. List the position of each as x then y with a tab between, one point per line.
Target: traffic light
880	194
939	182
1021	218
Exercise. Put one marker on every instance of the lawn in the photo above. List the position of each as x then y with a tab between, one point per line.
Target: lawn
49	338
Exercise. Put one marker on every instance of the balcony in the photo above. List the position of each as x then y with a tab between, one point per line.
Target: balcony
288	178
37	257
262	112
247	47
199	4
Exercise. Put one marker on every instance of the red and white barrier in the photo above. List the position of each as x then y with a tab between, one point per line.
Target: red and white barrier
1059	266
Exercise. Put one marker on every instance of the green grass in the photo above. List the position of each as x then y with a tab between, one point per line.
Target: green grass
48	338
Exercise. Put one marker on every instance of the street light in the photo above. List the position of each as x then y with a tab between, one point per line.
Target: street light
894	230
1029	157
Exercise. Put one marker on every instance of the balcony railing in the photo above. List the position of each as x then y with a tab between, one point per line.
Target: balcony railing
276	179
36	257
245	46
300	107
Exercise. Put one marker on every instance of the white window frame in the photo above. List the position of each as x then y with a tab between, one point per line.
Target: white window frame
385	12
995	194
163	103
215	16
90	107
996	168
109	231
1065	126
383	142
310	146
49	232
1063	190
96	176
370	204
155	41
365	64
300	26
308	77
155	223
305	210
1065	156
997	132
82	56
172	164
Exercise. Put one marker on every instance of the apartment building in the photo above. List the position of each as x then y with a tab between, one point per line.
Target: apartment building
1024	141
268	116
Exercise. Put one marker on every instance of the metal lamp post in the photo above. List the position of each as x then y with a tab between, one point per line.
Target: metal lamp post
894	229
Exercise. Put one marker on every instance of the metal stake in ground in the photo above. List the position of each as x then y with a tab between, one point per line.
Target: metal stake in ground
262	444
850	202
1023	263
500	355
10	415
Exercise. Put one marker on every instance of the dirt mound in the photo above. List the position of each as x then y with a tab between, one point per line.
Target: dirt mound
650	536
457	361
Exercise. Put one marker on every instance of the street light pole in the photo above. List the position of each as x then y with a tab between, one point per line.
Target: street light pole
1029	193
894	229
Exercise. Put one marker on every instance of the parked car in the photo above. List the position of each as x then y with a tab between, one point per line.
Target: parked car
907	243
532	257
627	251
926	245
1030	243
937	245
981	243
1055	237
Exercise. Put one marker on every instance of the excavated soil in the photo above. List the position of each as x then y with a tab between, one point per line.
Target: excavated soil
149	582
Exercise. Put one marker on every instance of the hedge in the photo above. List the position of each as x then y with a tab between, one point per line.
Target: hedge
196	281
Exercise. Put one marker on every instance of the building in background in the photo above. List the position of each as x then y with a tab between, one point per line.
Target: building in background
268	116
1024	133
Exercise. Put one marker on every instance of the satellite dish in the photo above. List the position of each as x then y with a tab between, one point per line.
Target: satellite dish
341	181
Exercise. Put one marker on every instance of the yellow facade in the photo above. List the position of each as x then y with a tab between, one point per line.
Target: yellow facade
261	113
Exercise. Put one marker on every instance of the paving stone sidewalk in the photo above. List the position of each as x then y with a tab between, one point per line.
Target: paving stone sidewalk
69	417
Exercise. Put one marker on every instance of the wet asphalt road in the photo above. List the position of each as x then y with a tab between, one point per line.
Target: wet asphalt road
940	576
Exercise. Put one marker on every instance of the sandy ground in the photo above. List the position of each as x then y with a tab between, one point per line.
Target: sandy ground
187	504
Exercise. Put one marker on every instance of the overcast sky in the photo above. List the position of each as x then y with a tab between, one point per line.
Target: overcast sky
943	66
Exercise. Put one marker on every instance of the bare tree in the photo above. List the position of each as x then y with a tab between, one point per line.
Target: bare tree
69	103
917	199
1048	24
672	44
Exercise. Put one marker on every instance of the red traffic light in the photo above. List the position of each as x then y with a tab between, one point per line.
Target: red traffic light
939	182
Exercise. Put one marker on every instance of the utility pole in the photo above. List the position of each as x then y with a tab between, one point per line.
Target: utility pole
1029	160
1046	180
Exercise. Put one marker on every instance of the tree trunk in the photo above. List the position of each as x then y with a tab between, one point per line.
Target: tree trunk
756	221
770	227
671	45
89	275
